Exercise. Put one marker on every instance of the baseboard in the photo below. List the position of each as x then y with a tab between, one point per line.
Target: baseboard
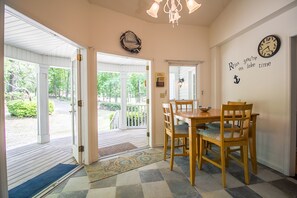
270	165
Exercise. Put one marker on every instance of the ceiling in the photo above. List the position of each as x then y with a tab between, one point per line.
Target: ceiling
204	16
20	33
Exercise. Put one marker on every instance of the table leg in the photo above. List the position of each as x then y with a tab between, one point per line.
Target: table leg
252	145
192	143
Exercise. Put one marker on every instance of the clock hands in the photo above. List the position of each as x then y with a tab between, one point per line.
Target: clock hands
266	48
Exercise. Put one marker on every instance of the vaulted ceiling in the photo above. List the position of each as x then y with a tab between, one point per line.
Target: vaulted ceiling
204	16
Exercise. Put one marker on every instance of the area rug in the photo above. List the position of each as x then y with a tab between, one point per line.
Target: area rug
118	148
103	169
40	182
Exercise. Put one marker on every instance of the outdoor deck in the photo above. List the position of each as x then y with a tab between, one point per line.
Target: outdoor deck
28	161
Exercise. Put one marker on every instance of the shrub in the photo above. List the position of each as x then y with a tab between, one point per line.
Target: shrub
111	116
110	106
135	118
15	96
21	108
51	107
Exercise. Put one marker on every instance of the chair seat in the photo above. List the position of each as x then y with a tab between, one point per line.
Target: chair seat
200	126
215	134
181	129
217	125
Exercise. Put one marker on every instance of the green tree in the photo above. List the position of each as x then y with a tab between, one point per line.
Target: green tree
108	85
136	86
59	82
19	77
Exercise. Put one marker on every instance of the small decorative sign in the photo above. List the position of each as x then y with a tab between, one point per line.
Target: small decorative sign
130	42
160	79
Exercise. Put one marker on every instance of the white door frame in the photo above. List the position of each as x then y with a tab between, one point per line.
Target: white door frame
293	117
76	106
151	141
3	165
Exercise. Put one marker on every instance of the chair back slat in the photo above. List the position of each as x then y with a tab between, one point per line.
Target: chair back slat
236	103
238	116
168	117
184	105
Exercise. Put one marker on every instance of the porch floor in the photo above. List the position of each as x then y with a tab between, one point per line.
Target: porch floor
26	162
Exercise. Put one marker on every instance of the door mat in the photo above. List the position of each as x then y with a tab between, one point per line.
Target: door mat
107	168
118	148
40	182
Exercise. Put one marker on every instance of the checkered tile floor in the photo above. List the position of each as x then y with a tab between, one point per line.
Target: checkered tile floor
157	181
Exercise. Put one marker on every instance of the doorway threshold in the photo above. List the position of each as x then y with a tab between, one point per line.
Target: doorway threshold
121	153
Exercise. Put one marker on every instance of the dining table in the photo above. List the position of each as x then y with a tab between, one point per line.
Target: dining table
196	116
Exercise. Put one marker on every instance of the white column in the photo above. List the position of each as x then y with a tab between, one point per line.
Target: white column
42	104
3	165
123	117
216	77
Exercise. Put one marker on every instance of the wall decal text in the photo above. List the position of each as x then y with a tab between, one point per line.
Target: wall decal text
233	65
262	65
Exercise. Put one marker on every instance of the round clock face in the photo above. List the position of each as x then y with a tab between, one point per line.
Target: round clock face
269	46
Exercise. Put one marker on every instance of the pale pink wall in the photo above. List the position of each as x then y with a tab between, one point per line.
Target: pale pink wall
93	26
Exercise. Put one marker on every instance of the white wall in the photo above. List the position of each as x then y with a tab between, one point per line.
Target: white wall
268	88
241	15
91	25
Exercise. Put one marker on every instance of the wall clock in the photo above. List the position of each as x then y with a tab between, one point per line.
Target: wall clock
130	42
269	46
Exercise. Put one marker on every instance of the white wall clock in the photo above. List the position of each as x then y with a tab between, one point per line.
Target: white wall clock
269	46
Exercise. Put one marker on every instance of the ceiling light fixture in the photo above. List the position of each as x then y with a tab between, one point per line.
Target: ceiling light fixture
172	9
180	82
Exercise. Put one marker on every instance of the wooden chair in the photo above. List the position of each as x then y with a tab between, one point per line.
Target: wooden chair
216	125
174	132
224	138
186	105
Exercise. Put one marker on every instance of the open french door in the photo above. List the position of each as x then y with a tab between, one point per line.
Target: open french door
147	83
76	104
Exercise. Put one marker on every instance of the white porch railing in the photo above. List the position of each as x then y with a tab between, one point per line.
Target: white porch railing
115	120
136	117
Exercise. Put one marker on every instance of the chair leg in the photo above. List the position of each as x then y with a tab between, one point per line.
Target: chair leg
223	164
246	164
197	147
200	151
185	142
172	153
227	156
165	145
241	153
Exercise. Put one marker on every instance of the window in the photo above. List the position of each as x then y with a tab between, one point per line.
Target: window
182	83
